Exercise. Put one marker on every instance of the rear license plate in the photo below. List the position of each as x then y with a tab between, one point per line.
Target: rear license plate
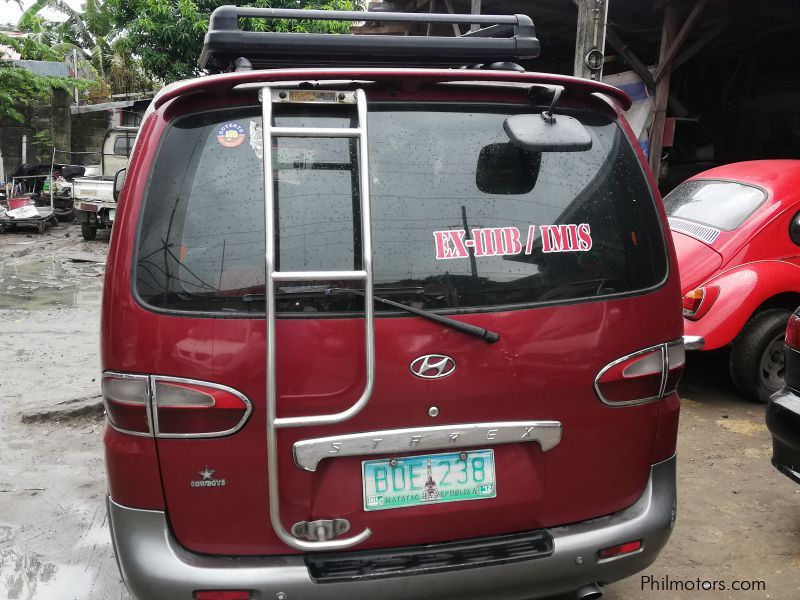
428	479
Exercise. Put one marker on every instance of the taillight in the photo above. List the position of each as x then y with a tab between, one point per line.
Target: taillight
187	408
180	407
642	376
127	400
620	550
697	302
793	332
222	595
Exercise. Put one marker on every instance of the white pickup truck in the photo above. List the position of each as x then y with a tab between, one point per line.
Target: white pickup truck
94	196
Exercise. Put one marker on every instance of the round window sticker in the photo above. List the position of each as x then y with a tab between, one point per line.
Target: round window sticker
231	135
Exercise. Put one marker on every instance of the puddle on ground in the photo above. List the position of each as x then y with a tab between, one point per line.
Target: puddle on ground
22	574
6	533
28	576
44	283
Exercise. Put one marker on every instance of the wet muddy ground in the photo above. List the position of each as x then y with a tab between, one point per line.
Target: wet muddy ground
54	539
739	520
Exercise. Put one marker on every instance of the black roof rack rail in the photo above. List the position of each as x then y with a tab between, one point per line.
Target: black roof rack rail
503	38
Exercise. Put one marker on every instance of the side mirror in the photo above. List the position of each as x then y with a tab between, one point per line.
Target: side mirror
546	132
507	169
119	180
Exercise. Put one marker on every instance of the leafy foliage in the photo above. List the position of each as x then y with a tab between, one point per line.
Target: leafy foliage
102	48
19	87
123	44
29	48
43	141
168	34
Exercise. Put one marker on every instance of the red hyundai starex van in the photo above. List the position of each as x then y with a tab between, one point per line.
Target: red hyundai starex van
378	326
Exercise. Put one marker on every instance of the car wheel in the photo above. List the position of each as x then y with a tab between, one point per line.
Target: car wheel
89	232
757	361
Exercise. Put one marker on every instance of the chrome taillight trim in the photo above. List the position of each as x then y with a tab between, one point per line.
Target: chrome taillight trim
147	403
692	316
664	348
154	379
151	402
667	365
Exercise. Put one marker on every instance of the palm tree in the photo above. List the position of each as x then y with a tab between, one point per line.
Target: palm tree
92	34
88	30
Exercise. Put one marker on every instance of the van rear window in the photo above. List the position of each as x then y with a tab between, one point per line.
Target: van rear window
461	220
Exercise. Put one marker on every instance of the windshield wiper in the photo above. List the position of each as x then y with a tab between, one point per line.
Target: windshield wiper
479	332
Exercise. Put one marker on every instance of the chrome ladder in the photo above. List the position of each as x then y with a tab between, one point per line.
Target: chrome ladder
268	96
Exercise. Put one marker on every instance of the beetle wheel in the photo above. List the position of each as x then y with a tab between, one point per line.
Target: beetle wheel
757	359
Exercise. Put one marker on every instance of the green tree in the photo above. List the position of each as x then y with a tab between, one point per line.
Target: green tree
92	33
89	29
20	87
168	34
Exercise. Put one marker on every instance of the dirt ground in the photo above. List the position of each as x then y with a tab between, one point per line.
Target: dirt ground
738	521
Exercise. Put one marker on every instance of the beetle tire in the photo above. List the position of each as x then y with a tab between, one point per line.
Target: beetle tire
749	348
89	232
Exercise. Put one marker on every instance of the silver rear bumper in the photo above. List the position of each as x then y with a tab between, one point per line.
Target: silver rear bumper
155	566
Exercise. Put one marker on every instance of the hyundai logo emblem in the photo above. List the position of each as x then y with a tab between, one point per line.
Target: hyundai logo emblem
433	366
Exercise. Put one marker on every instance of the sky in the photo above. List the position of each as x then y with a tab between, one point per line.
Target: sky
10	11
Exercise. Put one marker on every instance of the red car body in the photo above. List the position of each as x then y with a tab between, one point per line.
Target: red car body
191	514
752	268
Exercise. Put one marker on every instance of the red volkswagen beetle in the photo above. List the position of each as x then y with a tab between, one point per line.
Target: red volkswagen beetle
737	235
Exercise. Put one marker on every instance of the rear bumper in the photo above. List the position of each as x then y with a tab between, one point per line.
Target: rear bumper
155	566
783	421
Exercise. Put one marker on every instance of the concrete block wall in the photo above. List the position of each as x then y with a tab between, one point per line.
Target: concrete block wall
71	133
51	119
88	133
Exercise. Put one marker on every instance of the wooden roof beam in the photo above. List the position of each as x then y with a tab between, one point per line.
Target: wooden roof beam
456	26
666	57
638	67
699	43
630	58
668	39
475	9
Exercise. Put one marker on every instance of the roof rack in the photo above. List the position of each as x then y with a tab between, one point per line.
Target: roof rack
502	38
